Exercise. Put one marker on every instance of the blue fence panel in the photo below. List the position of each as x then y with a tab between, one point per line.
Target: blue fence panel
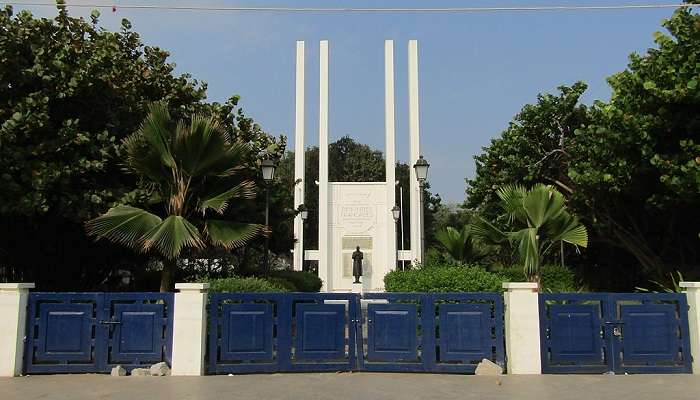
602	332
92	332
275	332
420	332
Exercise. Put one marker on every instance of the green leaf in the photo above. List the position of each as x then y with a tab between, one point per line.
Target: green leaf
171	236
692	84
648	85
229	234
124	225
219	202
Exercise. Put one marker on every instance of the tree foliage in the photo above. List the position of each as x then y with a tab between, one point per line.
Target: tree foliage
629	167
70	92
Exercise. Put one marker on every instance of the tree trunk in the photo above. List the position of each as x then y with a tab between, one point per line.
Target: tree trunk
167	275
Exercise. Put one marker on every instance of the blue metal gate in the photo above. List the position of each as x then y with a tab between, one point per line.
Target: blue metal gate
604	332
92	332
446	332
275	332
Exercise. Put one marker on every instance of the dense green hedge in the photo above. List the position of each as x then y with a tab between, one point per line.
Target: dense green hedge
442	279
236	285
301	281
278	281
555	278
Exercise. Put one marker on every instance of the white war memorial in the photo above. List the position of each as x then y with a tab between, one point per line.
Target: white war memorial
353	214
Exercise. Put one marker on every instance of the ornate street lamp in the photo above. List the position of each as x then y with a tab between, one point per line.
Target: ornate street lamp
303	213
396	213
268	172
421	167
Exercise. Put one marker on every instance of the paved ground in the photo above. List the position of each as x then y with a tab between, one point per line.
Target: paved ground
361	386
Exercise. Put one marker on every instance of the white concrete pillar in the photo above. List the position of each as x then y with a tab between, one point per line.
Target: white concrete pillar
390	151
299	158
189	329
13	326
414	150
692	292
324	261
522	328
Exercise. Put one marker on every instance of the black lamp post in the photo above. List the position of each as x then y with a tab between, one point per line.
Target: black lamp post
421	166
268	171
303	213
396	213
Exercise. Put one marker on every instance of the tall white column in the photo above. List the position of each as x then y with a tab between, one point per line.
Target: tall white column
299	157
522	328
324	257
189	329
13	325
414	150
692	292
390	150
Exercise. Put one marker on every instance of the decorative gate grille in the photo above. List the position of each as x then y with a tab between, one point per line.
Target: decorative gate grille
93	332
273	332
603	332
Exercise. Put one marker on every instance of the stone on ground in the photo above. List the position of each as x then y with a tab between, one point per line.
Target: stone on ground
487	367
140	372
118	371
160	369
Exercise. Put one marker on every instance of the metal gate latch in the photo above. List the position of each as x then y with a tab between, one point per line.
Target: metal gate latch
617	331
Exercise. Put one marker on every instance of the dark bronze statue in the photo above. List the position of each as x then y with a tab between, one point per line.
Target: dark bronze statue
357	264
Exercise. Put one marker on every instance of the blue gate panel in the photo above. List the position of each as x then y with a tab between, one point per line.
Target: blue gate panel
391	332
93	332
247	334
650	333
465	332
575	333
138	333
320	333
617	332
65	332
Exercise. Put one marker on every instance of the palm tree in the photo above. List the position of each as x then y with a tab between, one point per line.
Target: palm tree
460	244
193	168
546	221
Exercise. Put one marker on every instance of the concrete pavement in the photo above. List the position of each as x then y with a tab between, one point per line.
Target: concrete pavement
360	386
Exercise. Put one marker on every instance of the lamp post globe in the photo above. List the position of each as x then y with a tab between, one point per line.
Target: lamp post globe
421	167
396	213
268	172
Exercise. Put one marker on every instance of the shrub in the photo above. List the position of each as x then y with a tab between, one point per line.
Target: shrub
554	278
283	283
443	279
557	278
301	280
236	285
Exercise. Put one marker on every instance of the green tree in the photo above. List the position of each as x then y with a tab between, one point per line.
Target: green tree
460	244
194	171
70	93
542	222
629	167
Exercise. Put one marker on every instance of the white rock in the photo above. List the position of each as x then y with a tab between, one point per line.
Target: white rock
487	367
140	372
118	371
160	369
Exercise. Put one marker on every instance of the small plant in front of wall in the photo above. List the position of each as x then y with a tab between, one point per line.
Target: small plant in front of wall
662	288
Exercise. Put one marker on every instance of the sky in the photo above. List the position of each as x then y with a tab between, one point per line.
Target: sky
476	70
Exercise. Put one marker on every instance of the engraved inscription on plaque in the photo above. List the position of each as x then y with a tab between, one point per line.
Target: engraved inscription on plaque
357	218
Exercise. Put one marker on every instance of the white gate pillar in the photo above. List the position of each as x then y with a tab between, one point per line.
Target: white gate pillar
692	292
522	328
13	325
189	329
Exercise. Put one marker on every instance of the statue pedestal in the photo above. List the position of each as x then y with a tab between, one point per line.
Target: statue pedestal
357	288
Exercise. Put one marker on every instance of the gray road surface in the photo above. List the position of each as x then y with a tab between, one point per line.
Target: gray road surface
360	386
